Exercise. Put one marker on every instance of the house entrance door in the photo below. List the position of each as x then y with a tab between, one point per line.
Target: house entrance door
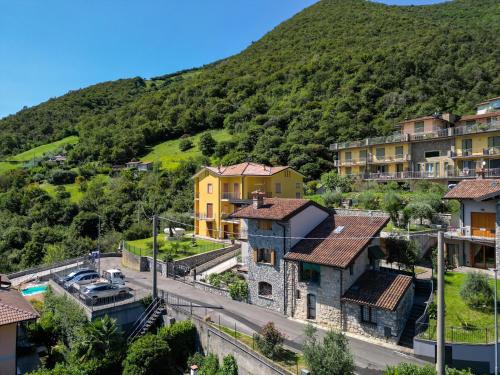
311	306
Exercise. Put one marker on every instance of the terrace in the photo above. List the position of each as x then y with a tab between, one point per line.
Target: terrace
373	159
436	175
471	234
400	137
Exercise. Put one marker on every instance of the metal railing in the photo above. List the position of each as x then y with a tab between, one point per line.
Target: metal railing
462	174
230	195
203	216
471	232
136	328
471	335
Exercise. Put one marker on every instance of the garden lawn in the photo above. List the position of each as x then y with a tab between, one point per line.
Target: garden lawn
457	311
287	359
35	153
144	247
169	154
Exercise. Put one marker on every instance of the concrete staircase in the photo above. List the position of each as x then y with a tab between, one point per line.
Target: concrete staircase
422	292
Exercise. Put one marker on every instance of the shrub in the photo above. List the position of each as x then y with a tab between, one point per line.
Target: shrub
229	366
331	357
185	144
210	365
269	340
137	231
61	176
477	291
207	144
412	369
332	198
182	337
368	200
149	354
239	290
333	181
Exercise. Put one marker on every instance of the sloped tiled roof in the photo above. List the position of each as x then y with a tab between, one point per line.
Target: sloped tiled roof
484	115
489	100
13	307
274	209
338	248
378	289
478	190
246	169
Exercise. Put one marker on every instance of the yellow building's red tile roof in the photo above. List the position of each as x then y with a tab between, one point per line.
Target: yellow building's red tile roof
246	169
476	117
381	290
329	244
479	190
14	307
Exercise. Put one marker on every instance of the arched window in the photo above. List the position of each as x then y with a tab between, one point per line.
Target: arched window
265	289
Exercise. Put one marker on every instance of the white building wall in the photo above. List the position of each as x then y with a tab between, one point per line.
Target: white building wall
474	206
305	221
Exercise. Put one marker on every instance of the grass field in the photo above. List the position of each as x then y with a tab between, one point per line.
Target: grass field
169	154
457	312
35	153
72	189
177	249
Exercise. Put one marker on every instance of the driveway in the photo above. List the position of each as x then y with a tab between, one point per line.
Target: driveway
370	358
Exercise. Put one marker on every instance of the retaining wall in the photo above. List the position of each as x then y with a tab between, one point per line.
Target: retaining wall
211	289
199	259
203	267
213	341
134	262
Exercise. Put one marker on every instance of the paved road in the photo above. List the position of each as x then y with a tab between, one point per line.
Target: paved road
369	358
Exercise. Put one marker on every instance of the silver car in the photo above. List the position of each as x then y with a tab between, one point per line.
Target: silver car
95	291
85	278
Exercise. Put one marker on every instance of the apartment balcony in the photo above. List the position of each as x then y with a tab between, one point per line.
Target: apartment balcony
204	216
471	234
427	175
491	151
441	133
394	138
400	158
351	162
477	128
469	153
226	216
226	196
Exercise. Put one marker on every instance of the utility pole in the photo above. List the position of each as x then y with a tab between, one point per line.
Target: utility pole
99	245
440	306
155	254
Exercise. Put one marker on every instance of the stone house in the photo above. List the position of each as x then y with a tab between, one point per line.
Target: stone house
474	242
318	266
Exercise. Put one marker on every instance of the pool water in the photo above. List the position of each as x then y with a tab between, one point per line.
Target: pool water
34	290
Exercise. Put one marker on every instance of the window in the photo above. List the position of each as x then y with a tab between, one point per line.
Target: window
493	142
278	187
351	269
298	185
348	171
368	315
380	153
264	256
419	127
287	173
362	155
264	224
210	188
310	272
297	294
399	152
466	147
297	195
348	156
432	154
210	210
265	289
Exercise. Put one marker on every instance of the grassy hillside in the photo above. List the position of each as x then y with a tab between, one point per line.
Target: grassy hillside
18	160
76	194
339	70
169	154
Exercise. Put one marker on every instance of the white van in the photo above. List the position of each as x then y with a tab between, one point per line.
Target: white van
114	276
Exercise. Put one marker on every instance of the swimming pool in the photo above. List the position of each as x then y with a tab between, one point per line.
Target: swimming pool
34	290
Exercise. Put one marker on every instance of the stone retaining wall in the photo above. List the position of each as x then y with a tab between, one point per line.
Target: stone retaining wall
212	289
199	259
134	262
203	267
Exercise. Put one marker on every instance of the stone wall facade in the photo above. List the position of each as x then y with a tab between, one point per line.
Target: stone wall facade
394	320
264	272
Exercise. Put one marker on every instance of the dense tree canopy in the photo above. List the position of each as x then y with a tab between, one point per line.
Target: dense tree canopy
340	69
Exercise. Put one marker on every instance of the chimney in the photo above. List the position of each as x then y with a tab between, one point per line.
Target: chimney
257	199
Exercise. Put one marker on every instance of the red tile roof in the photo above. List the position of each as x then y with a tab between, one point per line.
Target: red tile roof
274	209
489	100
484	115
246	169
475	189
338	249
377	289
13	307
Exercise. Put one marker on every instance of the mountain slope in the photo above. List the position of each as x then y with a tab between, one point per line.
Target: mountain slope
340	69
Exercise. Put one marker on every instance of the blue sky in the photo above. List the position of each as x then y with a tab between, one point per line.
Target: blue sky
52	46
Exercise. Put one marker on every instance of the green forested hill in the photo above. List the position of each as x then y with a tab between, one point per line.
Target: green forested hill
339	70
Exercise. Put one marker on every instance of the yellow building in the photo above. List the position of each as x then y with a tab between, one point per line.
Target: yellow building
219	191
441	147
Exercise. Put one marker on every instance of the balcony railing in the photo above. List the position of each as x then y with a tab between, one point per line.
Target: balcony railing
266	195
230	195
400	137
491	151
459	173
203	216
469	232
399	158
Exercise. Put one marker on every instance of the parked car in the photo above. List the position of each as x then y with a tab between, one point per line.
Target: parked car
82	279
77	272
92	293
114	276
